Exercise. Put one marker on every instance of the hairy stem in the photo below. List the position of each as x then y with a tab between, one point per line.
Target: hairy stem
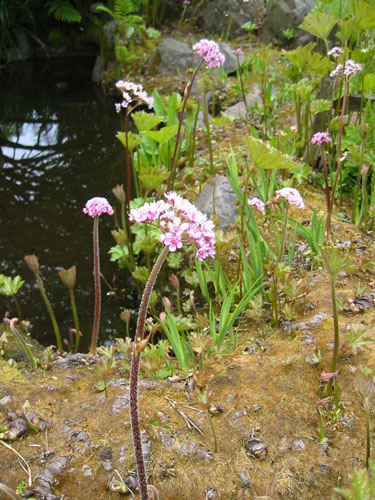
134	374
95	328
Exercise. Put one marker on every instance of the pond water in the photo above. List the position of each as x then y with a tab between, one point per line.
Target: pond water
58	147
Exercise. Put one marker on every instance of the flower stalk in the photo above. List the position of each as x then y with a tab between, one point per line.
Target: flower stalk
94	208
68	278
141	341
33	263
179	222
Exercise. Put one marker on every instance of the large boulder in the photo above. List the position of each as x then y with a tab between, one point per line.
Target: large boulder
218	198
283	14
221	17
174	56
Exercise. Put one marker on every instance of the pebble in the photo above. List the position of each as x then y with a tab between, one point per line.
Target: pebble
120	403
6	399
245	480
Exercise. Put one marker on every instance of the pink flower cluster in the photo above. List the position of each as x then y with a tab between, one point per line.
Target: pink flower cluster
320	137
335	52
350	69
291	195
132	92
258	203
210	51
238	52
180	222
97	206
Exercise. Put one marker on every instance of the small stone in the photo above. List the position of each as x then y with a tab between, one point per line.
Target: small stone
298	444
120	403
82	436
211	494
6	399
87	471
245	480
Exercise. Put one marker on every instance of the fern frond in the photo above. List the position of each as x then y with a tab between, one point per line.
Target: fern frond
123	8
63	10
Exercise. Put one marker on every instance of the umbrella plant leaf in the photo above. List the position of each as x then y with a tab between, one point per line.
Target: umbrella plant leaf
318	23
146	121
133	139
10	286
163	135
263	156
153	178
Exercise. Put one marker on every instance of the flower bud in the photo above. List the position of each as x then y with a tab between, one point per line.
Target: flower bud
33	262
68	277
120	237
119	193
174	281
125	315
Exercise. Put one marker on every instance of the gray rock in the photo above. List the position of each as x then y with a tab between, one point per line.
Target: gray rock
217	16
220	194
6	399
238	110
284	14
146	447
174	56
120	403
23	50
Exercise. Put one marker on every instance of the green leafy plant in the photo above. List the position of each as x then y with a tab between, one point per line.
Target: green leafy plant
9	286
63	10
362	485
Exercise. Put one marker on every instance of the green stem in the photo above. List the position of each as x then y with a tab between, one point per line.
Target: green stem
18	307
95	328
323	438
50	312
21	340
213	431
336	334
134	375
75	317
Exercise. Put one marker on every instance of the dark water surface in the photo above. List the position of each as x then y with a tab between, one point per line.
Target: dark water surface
57	138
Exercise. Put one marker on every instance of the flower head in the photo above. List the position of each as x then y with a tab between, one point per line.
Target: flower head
292	195
335	52
238	52
320	137
210	51
350	68
180	222
132	92
97	206
259	204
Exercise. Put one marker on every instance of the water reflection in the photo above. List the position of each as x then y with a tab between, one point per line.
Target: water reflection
59	149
